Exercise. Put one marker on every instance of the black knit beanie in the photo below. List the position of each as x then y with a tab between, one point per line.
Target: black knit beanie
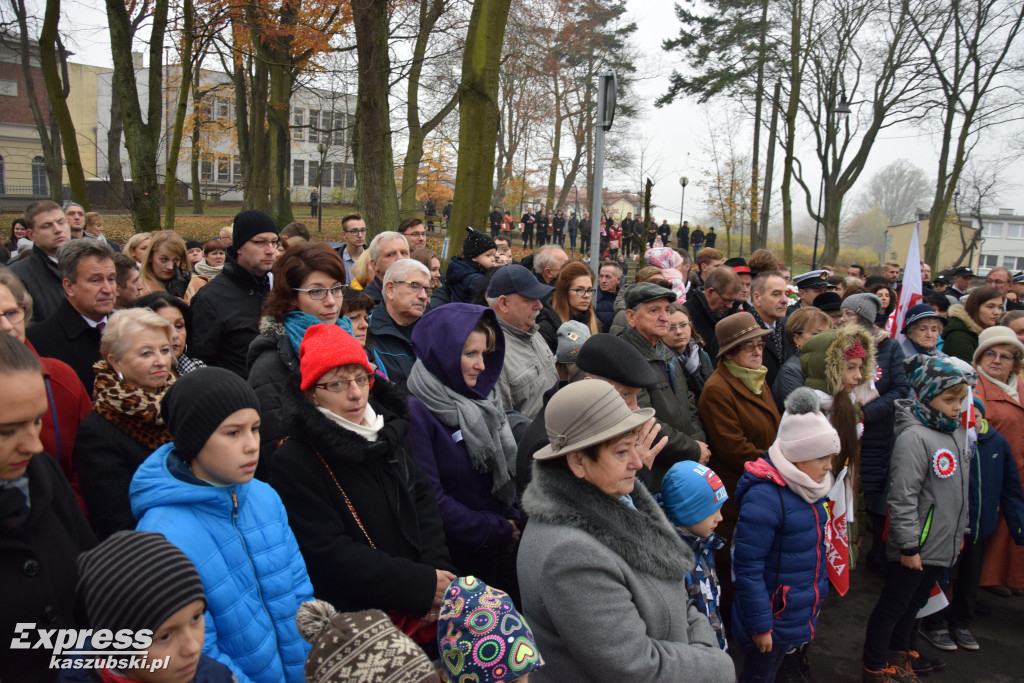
136	580
476	243
248	224
198	402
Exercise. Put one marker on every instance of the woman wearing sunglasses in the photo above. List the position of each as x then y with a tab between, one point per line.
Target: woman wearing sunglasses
309	282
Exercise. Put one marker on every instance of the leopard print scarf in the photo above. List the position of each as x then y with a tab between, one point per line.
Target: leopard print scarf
132	409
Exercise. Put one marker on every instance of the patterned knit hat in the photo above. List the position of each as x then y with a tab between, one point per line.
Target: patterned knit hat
691	492
136	580
359	647
476	243
929	376
482	637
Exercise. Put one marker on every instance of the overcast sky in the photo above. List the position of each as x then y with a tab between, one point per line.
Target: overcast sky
670	139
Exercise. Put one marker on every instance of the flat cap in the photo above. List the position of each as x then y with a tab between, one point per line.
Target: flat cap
608	356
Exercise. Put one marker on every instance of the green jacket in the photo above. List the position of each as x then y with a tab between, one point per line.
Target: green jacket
961	334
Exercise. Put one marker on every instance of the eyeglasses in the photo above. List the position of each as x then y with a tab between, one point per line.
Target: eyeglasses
414	233
680	327
357	231
583	291
416	287
15	315
751	346
996	282
318	293
262	244
994	355
339	385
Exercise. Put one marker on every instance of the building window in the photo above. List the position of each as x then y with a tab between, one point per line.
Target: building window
1013	230
206	170
338	175
298	121
993	230
314	172
223	170
298	172
350	177
988	261
237	165
314	123
223	110
339	129
40	183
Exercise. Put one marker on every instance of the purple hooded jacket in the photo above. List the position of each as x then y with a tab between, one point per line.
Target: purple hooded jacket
473	518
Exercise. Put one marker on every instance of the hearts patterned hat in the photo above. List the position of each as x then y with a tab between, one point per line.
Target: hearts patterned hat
481	635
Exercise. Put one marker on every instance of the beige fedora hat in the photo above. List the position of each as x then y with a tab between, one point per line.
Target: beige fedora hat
587	413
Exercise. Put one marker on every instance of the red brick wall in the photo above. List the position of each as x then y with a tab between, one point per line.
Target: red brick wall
16	109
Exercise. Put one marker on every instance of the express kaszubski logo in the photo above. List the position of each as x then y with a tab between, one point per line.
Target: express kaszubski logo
77	648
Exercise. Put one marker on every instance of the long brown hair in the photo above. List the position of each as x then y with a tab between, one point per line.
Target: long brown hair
560	299
843	415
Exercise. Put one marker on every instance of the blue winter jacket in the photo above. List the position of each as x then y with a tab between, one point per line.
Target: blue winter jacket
604	308
391	345
880	417
778	559
252	571
995	487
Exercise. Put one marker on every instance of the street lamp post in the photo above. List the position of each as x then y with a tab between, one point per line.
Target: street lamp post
322	148
684	181
842	109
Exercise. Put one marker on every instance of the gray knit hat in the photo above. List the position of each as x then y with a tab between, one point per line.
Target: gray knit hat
571	335
136	580
865	305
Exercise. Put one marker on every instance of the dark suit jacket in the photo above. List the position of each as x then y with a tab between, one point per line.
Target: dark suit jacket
66	336
41	278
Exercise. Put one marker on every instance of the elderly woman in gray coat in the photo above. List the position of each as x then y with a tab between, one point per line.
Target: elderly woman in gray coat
601	569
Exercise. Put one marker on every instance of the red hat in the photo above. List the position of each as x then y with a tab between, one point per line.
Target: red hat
326	347
856	350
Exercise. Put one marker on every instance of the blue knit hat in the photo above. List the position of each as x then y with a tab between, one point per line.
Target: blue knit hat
690	493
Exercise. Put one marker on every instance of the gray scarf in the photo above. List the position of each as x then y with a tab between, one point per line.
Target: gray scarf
483	424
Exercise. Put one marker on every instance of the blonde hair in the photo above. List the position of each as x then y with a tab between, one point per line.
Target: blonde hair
123	325
135	240
18	291
361	272
172	241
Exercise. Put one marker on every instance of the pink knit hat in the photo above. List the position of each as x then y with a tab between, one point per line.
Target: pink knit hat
804	433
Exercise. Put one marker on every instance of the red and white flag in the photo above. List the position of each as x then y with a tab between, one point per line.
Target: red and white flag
937	600
837	536
912	288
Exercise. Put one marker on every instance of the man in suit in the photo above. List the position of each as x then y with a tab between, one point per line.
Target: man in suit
48	229
72	334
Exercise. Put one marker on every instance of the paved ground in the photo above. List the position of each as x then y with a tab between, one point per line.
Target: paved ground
835	653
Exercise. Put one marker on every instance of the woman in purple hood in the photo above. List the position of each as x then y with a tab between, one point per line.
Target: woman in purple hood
462	439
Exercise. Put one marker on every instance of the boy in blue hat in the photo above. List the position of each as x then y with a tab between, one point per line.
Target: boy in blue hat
692	496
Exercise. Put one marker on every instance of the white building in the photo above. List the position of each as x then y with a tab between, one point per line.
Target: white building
1002	241
322	123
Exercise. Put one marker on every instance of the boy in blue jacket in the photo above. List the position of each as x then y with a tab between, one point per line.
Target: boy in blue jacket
199	492
692	496
779	555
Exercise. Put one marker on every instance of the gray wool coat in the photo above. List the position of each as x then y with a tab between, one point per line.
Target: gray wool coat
603	589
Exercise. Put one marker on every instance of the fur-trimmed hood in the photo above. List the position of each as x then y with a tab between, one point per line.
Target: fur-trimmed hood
823	357
647	542
272	328
308	425
958	312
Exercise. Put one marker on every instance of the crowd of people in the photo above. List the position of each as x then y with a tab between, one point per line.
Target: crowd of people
288	461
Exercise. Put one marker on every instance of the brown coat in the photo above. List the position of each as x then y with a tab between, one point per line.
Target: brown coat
739	426
1004	561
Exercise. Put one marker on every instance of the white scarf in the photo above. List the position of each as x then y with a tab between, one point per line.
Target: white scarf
1009	388
801	484
372	423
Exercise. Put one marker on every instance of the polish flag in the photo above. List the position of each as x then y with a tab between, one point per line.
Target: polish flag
912	289
837	536
937	601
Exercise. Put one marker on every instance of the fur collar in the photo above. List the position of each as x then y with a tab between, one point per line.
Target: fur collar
960	313
311	427
645	541
272	328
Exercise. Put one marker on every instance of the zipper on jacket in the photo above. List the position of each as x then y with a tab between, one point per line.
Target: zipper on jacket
927	527
817	569
248	557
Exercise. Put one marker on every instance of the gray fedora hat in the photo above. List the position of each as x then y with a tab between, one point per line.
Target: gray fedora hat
587	413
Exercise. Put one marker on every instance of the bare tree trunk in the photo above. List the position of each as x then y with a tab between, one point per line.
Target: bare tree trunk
184	85
376	195
478	116
755	238
795	78
114	169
